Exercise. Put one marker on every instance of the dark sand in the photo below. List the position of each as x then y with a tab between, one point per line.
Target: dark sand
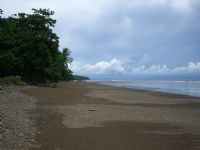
88	116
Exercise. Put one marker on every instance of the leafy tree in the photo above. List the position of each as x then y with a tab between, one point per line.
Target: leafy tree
30	48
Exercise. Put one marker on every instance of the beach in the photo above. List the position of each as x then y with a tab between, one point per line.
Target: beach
100	75
91	116
88	116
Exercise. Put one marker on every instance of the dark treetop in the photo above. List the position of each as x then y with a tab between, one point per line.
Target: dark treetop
30	49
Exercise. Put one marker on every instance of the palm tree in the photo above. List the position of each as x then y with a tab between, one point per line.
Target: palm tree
66	57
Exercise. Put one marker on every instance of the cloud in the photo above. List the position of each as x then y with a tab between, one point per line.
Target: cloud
163	69
133	28
154	69
113	66
191	67
116	66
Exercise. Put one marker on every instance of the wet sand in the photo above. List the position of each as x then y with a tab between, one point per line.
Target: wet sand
89	116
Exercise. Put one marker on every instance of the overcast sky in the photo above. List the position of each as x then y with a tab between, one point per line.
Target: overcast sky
125	37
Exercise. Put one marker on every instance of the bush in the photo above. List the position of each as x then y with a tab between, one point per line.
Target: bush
12	80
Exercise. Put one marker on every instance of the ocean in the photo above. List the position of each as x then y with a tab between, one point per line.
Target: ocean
191	88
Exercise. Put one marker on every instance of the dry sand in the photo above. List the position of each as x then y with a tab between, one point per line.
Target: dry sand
88	116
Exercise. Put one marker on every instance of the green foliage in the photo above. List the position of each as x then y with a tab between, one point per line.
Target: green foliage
29	48
77	77
16	80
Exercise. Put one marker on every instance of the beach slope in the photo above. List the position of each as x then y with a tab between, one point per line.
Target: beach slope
89	116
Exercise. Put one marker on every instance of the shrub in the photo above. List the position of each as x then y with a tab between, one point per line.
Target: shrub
12	80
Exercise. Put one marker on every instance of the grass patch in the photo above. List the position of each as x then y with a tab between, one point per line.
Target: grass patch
12	80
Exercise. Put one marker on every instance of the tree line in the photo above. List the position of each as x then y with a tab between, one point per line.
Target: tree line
29	48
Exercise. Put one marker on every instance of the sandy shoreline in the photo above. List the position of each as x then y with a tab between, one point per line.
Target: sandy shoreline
87	116
91	116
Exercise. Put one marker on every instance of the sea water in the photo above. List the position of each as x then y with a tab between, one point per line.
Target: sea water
191	88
